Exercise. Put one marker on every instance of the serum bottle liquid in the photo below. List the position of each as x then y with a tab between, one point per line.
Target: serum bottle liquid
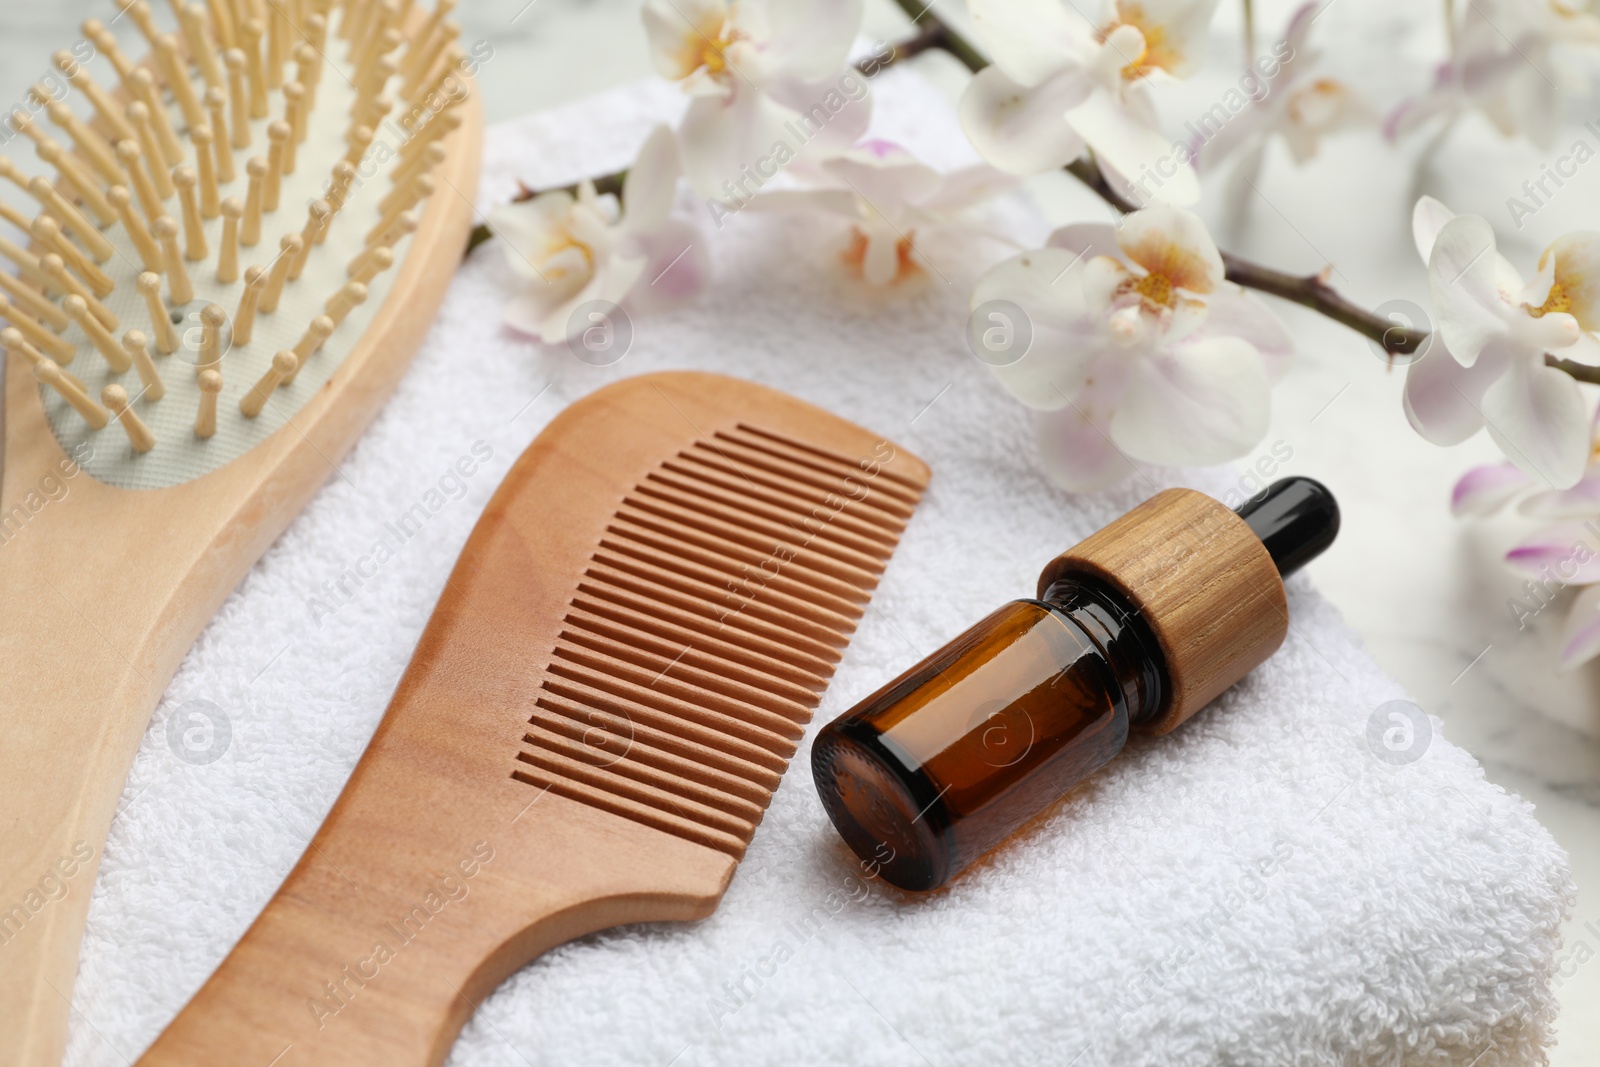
1136	628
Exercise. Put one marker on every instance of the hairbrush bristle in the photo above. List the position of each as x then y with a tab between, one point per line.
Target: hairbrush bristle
230	145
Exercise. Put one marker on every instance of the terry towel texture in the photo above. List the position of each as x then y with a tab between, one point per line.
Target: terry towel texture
1255	889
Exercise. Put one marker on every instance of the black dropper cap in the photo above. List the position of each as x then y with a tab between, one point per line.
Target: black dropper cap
1296	518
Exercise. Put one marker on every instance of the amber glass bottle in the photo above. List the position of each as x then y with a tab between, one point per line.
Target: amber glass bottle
1134	629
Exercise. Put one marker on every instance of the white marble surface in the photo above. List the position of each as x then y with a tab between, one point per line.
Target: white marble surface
1426	592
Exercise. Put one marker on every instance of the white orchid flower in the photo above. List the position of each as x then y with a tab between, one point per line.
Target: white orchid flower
890	199
1564	554
1515	61
1292	103
574	249
1140	349
1487	364
759	73
1059	83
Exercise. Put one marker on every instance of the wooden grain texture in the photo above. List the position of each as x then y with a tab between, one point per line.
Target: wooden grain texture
1202	581
106	589
594	719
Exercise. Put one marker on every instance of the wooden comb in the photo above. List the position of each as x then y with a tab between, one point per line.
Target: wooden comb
173	394
620	667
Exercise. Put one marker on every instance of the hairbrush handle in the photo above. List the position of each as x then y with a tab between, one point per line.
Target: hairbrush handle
437	874
84	657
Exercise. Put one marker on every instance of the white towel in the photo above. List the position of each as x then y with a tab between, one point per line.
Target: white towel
1256	888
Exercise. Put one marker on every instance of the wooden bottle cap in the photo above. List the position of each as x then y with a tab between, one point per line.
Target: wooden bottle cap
1201	580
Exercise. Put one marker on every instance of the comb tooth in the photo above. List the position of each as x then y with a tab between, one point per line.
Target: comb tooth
754	533
765	541
659	748
719	552
735	725
662	637
820	605
614	749
823	459
778	611
658	616
816	532
350	296
689	667
845	514
12	340
631	780
212	319
706	745
878	509
628	809
724	614
658	679
625	787
883	495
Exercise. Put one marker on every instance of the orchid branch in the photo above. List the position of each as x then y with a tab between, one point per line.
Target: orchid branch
934	34
1308	290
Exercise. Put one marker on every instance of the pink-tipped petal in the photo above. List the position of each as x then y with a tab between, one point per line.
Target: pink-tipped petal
1582	499
1486	489
1568	553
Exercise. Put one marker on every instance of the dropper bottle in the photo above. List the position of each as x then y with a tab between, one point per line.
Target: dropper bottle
1135	628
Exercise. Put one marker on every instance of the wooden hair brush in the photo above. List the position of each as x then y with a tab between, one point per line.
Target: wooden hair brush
615	677
228	257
